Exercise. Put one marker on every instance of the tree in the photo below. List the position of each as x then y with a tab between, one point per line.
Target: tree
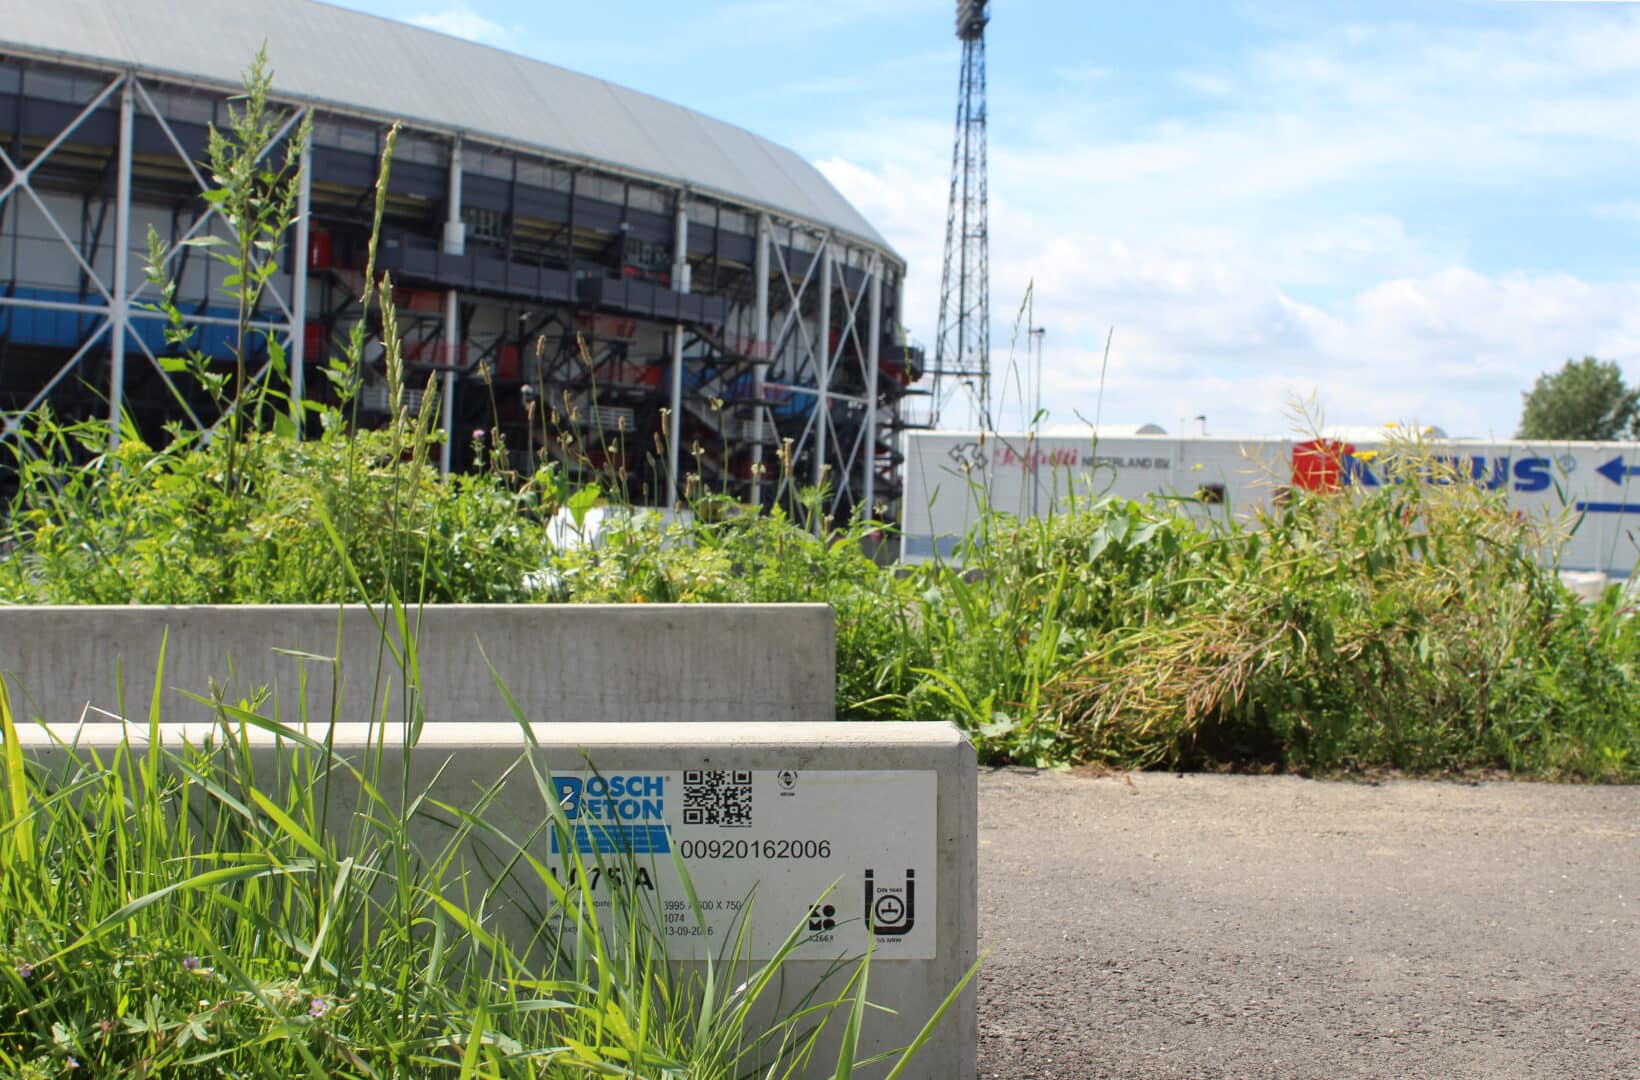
1585	399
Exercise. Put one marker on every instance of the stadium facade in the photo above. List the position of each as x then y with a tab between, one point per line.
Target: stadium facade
661	280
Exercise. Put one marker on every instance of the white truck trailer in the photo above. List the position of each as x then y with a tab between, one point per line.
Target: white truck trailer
949	476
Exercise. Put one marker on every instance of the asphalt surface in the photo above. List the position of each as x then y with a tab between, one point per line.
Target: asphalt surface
1233	926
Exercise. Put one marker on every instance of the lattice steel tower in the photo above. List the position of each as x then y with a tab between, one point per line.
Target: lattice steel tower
962	348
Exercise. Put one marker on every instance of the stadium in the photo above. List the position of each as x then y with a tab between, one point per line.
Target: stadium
669	285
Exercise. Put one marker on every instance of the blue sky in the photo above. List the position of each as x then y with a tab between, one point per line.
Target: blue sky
1395	211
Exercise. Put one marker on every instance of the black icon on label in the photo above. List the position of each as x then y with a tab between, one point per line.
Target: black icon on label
967	455
787	779
891	911
822	918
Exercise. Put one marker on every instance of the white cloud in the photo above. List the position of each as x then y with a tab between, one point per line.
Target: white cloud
1205	83
462	22
1277	246
1622	210
1084	76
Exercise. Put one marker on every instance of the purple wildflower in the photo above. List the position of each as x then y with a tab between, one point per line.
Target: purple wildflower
190	963
318	1007
72	1063
26	970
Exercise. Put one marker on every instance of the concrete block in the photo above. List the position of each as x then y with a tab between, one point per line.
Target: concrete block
563	662
887	811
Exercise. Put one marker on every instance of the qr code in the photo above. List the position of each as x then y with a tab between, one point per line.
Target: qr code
717	797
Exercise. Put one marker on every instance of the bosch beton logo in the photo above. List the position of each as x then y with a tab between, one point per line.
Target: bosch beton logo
626	813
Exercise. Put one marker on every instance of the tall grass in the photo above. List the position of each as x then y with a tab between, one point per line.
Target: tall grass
1416	626
252	903
255	904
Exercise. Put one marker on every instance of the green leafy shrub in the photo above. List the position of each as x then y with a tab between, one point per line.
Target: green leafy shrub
1029	597
728	555
138	524
1415	626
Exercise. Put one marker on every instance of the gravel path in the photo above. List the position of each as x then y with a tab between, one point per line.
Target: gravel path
1232	926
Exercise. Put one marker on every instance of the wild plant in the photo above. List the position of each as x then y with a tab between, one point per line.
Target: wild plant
254	903
226	514
1404	626
248	901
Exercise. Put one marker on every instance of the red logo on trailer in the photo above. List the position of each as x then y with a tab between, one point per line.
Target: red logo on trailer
1318	464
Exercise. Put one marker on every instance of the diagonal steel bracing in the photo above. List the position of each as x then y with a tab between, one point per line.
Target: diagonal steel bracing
802	361
120	297
21	181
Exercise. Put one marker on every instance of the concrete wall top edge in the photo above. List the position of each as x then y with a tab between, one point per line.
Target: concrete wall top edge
616	663
878	736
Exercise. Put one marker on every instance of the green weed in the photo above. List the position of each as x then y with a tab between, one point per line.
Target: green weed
254	904
1416	626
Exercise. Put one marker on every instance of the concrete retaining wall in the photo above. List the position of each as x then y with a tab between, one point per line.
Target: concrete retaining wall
569	662
894	804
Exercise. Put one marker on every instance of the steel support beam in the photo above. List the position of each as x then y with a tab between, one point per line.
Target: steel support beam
822	334
53	305
680	268
874	334
760	354
455	243
299	290
447	389
138	313
809	391
121	304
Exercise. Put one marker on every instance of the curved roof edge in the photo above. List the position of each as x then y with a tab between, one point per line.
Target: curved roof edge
355	62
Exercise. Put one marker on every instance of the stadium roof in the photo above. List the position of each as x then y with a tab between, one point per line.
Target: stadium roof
360	63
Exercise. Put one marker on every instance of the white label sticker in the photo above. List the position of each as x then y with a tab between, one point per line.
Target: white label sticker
777	839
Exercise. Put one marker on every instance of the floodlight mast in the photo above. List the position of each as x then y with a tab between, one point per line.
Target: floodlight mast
962	347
